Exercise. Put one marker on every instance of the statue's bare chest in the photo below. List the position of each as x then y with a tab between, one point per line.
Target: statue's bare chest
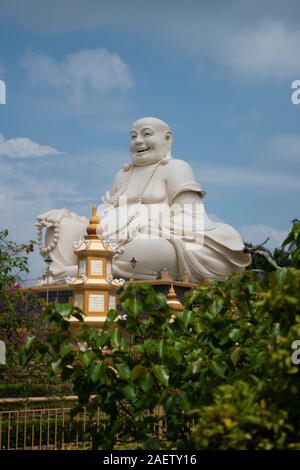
142	183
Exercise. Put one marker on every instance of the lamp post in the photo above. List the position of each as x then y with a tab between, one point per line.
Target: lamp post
133	263
48	262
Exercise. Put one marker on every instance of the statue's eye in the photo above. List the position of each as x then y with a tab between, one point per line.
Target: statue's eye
147	134
133	136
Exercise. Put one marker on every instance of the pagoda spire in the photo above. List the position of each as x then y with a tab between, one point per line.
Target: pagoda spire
173	301
94	229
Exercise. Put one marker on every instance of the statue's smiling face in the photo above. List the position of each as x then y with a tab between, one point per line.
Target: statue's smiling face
150	141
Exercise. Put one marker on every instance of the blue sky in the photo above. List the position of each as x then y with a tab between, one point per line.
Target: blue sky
78	73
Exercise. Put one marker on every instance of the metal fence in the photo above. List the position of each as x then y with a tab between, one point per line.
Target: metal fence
50	428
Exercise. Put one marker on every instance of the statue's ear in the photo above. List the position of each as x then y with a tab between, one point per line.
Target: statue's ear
169	137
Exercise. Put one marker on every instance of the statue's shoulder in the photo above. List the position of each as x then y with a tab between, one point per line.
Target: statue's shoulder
126	167
122	173
176	164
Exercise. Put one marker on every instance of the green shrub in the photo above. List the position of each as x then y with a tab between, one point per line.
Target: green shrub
221	370
25	390
238	419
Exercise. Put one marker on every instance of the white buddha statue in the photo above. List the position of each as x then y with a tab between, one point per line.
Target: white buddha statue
153	212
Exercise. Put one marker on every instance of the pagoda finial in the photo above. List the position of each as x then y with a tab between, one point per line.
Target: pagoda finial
173	301
94	228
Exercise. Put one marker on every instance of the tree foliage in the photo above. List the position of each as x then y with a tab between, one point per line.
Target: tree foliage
20	310
13	260
292	243
221	371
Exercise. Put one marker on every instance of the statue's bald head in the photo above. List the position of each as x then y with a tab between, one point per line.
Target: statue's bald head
151	140
152	121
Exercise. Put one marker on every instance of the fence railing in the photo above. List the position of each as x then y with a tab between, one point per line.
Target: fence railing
51	428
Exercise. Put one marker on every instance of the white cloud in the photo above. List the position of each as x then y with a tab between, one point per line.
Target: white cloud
22	147
234	177
257	234
263	47
265	50
258	41
285	147
87	70
24	195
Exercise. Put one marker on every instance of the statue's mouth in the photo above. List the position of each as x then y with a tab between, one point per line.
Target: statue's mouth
142	151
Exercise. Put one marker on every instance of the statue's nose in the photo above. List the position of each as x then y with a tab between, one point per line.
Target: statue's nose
139	141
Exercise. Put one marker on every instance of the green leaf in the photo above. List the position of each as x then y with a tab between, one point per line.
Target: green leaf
116	338
162	374
235	355
96	372
194	296
102	339
224	340
65	349
65	310
111	316
146	382
161	300
216	306
169	404
187	317
139	348
184	402
118	425
275	330
137	371
30	342
218	368
55	365
134	306
234	334
129	392
159	346
87	357
123	370
145	287
124	343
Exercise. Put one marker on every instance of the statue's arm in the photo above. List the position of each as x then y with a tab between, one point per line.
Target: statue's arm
114	188
180	179
188	197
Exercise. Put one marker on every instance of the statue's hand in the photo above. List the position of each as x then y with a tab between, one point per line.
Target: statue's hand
60	226
49	220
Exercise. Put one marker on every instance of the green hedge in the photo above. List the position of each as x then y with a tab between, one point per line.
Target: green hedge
25	390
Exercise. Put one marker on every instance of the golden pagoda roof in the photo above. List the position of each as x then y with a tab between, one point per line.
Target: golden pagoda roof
173	301
94	240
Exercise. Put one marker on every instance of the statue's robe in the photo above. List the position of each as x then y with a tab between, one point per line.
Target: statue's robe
187	241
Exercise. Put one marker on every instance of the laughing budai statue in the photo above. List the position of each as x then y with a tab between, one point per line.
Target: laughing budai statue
153	212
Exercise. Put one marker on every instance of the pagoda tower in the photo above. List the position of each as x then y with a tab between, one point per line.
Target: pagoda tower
173	301
94	291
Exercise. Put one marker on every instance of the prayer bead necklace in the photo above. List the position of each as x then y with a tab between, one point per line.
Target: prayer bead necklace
140	199
146	183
